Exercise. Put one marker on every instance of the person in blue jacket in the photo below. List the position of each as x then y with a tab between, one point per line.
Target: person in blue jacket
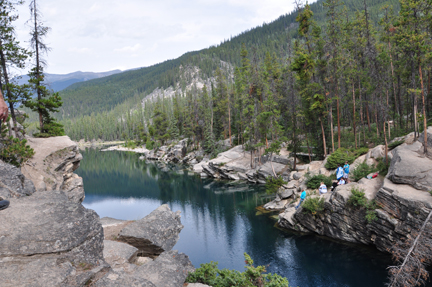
339	172
302	197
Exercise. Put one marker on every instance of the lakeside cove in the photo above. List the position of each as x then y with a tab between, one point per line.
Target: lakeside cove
47	196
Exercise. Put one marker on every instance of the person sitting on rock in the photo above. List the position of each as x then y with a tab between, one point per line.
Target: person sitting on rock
339	172
302	197
337	183
323	188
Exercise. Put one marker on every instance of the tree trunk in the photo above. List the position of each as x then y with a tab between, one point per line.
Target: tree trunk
394	84
331	128
338	122
10	100
38	76
367	116
324	139
424	111
354	116
229	120
309	150
386	146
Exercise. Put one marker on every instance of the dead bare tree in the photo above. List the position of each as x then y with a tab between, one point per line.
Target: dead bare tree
413	255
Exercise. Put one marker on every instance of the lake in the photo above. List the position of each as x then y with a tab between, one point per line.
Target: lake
221	222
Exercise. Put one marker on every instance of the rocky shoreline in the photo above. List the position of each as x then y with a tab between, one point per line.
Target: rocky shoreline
402	196
49	239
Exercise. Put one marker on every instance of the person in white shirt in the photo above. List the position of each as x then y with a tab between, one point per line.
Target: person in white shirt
323	188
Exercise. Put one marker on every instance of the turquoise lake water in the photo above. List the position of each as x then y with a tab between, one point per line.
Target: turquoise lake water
221	222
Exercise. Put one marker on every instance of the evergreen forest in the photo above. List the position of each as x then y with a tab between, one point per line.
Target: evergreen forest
330	75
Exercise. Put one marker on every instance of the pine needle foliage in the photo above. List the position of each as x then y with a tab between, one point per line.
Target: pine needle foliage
210	274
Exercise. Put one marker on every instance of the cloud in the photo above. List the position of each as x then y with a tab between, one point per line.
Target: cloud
128	49
99	35
79	50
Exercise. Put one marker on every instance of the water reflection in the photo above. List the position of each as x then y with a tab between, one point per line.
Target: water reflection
221	223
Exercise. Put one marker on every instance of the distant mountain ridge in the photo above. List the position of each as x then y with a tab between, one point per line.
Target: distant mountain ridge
58	82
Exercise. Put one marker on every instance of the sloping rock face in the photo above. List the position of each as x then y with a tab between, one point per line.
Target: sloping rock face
338	220
155	233
13	183
47	240
52	166
411	167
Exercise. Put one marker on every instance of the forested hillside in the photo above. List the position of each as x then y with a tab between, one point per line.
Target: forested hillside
105	93
327	76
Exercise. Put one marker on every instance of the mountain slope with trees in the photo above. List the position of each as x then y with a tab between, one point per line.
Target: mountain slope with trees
104	94
337	77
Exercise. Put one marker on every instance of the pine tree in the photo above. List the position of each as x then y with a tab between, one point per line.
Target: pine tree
11	55
46	102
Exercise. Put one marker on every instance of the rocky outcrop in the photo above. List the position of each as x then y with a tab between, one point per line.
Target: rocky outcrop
402	202
410	166
52	166
155	233
47	240
13	184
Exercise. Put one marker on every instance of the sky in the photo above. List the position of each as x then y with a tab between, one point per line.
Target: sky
104	35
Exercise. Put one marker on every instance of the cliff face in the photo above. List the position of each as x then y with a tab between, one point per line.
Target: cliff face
402	198
52	166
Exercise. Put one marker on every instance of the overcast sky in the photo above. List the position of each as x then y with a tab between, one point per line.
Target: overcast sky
104	35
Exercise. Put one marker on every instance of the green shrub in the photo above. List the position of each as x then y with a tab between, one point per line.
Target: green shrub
130	144
357	198
362	170
340	156
395	144
382	167
313	205
315	181
149	144
273	183
15	151
210	274
371	215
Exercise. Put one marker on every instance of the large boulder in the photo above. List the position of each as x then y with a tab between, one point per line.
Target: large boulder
411	167
155	233
13	183
47	240
170	269
120	255
53	164
429	138
377	152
